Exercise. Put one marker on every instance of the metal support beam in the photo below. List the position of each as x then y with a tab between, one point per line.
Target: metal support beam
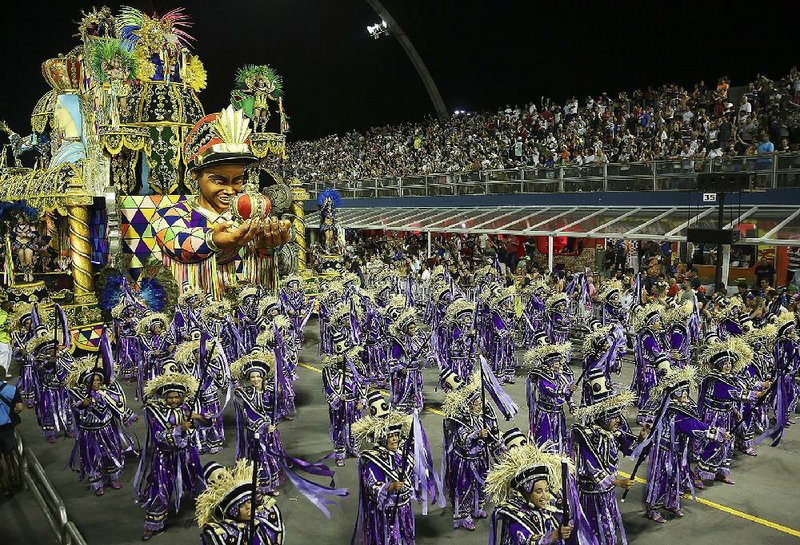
599	228
781	225
413	56
686	224
651	221
550	253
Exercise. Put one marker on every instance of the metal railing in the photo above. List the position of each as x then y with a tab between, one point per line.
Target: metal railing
768	172
53	507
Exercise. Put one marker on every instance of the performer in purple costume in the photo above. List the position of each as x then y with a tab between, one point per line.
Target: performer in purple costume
503	324
458	350
598	441
25	318
187	315
385	513
52	365
651	361
255	413
295	305
722	392
154	347
346	397
522	486
549	388
470	435
406	359
100	412
170	464
675	423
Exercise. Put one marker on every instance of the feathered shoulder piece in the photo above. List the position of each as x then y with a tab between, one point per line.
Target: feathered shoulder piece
186	383
373	428
594	337
456	400
186	354
515	463
215	310
618	402
673	379
144	325
533	358
765	335
678	314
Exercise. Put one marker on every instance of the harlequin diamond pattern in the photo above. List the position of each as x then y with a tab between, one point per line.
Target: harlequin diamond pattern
87	338
137	231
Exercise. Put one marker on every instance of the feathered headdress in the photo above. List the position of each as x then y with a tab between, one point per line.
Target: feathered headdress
285	281
189	292
535	357
226	493
733	349
556	299
154	33
146	323
610	405
456	400
41	338
399	325
107	51
21	312
501	295
82	369
645	315
522	466
247	75
673	379
171	382
609	289
457	308
331	194
761	335
266	337
784	323
262	360
374	429
594	337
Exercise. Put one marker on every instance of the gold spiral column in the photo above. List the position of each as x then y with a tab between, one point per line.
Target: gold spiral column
80	252
299	197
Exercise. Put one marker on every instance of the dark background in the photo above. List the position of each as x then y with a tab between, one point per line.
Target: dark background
482	54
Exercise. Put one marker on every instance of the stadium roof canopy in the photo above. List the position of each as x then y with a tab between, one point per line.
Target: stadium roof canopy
764	224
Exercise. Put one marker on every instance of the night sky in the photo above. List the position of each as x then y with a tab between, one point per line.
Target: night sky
482	54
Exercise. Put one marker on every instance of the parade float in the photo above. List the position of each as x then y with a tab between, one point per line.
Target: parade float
106	152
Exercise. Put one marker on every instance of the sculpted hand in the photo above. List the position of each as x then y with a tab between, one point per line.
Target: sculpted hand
228	237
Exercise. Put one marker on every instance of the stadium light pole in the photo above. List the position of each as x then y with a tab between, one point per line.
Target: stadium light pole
416	60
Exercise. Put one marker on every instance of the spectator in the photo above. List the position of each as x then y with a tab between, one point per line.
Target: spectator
765	272
674	288
10	407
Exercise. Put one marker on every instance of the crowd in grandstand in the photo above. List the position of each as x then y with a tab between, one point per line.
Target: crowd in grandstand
657	123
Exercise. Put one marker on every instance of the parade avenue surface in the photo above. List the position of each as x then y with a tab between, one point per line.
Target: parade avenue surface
761	508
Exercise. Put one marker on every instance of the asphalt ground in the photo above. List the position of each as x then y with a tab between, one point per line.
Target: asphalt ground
762	507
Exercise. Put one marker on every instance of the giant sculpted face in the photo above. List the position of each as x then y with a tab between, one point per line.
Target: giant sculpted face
218	185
